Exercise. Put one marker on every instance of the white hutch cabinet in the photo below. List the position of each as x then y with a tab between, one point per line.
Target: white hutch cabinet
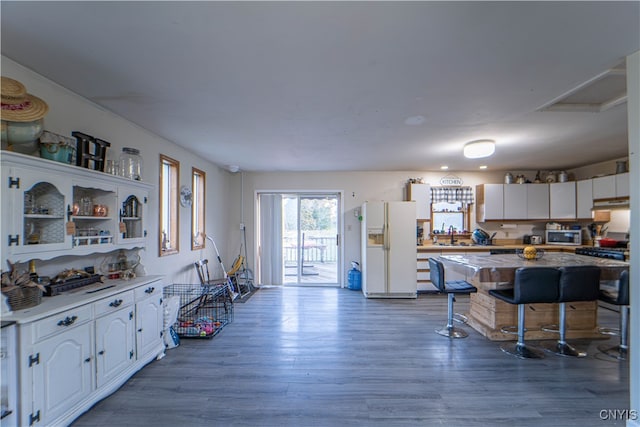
77	347
51	210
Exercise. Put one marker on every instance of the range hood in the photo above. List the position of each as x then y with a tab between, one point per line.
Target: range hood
608	204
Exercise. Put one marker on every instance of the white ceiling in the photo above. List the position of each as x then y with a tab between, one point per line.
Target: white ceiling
298	86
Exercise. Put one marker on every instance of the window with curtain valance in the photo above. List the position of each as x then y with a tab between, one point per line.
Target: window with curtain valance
452	194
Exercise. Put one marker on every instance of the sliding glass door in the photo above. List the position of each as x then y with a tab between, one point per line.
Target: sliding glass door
299	241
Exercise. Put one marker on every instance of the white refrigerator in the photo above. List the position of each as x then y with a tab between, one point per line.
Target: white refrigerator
389	254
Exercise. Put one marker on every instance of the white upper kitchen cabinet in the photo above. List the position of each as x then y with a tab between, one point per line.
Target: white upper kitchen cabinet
490	202
584	198
562	200
604	187
611	186
515	201
537	201
421	194
622	184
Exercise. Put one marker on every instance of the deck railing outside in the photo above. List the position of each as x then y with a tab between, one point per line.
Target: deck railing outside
316	249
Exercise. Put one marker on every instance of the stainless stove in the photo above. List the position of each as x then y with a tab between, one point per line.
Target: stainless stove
610	253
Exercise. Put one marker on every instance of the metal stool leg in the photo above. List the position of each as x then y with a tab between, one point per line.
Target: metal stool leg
520	349
450	330
620	351
561	347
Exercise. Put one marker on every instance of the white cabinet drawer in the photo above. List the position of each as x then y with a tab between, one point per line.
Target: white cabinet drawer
62	322
113	303
154	288
423	265
427	255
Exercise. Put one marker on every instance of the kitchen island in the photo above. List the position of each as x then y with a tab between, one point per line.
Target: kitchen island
488	315
463	248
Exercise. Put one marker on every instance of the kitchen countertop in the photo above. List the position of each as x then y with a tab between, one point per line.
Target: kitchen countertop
501	268
73	298
484	248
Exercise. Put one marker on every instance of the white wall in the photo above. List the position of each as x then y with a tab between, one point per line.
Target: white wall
633	112
69	112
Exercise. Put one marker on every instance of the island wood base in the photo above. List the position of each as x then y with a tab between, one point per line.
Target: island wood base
488	315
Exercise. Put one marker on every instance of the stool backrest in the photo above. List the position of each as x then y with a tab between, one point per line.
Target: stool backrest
436	273
202	267
536	285
579	283
623	288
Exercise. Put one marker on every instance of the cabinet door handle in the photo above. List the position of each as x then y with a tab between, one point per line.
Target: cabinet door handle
150	290
101	352
116	303
87	360
68	321
140	330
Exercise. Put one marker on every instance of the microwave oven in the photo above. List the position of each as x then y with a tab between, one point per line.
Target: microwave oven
564	237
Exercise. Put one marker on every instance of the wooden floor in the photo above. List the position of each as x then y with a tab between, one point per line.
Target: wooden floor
329	357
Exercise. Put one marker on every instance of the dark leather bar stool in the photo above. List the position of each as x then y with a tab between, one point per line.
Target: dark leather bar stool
620	299
577	283
531	285
451	288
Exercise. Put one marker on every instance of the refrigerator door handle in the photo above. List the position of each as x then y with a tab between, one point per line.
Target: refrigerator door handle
385	232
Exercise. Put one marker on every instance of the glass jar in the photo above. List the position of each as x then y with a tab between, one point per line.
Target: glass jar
130	163
86	206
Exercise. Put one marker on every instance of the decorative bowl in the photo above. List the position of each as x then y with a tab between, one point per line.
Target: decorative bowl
529	255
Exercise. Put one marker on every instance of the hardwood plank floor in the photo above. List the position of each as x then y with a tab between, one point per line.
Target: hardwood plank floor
312	356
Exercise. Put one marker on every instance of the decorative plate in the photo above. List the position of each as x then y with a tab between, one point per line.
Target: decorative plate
185	196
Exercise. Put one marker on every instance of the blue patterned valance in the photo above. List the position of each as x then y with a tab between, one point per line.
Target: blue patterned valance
452	194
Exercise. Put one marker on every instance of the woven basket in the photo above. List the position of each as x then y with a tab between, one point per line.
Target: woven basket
22	298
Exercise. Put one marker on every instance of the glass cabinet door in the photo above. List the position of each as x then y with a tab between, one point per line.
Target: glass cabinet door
41	214
133	207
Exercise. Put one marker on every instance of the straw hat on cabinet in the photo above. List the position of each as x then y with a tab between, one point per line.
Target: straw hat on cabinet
18	105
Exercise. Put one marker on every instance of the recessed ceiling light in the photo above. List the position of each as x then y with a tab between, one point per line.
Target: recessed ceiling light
414	120
483	167
479	149
444	167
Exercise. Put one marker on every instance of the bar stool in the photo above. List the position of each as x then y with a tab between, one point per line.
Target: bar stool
451	288
531	285
577	283
620	299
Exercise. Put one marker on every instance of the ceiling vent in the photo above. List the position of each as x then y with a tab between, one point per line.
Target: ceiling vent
600	93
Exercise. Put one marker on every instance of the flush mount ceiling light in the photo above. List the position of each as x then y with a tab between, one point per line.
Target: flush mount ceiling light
479	149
